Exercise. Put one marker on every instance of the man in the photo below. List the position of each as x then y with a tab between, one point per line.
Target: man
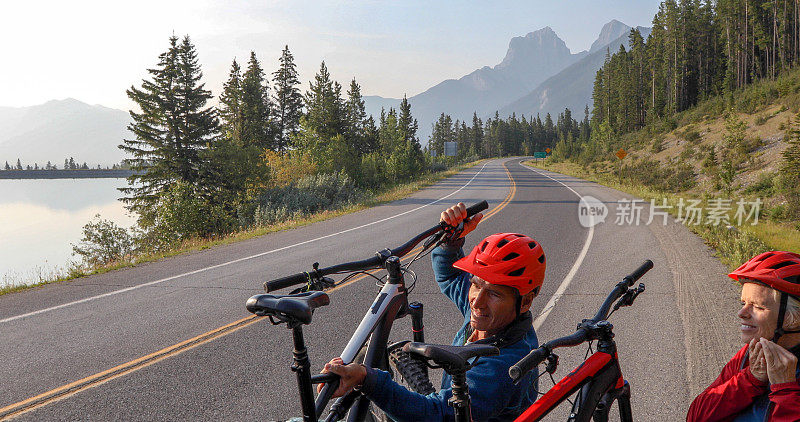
760	383
493	288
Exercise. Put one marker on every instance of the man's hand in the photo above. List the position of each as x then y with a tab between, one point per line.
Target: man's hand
781	364
352	375
758	363
458	213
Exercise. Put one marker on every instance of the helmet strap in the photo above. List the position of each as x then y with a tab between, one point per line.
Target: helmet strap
779	331
518	304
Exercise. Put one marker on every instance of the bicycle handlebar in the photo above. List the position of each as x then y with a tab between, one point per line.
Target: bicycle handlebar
535	357
366	264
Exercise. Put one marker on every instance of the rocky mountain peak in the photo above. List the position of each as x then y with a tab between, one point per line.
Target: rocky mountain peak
610	32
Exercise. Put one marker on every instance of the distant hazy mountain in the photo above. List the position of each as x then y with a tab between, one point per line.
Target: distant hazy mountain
61	129
529	61
572	87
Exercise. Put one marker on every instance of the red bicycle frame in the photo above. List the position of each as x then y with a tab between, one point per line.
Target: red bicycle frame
601	382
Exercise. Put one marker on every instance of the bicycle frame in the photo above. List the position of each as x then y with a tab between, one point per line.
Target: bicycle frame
600	380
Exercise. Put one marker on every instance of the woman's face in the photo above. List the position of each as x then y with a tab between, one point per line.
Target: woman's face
759	313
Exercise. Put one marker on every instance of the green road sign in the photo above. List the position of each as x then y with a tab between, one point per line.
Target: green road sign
539	155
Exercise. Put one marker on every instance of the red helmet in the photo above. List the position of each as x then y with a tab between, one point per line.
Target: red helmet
777	269
508	259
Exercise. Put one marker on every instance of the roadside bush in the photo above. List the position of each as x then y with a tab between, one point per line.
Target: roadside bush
103	242
307	196
676	177
733	246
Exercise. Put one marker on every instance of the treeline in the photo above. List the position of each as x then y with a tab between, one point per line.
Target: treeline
267	152
696	50
498	137
69	164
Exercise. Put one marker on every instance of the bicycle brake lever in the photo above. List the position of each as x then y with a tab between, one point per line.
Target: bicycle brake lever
552	363
629	296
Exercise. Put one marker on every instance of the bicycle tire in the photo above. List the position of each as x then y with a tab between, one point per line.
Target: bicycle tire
411	371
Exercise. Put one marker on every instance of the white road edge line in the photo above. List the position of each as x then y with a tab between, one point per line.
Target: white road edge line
138	286
571	274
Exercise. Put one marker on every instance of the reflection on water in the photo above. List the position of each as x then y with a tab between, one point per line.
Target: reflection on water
39	219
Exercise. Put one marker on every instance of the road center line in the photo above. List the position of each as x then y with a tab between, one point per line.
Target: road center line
151	283
572	271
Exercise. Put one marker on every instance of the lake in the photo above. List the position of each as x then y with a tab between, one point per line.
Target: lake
41	218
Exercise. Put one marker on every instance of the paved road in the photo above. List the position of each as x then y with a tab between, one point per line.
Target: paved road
171	339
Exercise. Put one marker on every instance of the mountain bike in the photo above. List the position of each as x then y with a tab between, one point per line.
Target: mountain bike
598	380
296	310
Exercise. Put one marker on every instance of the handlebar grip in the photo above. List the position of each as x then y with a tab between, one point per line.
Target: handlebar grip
636	275
530	361
284	282
474	209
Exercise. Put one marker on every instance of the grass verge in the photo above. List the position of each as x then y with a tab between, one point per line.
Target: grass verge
389	194
732	245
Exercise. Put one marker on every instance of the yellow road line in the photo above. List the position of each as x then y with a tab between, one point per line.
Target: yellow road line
120	370
99	378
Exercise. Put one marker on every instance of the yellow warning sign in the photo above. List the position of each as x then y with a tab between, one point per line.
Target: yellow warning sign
621	153
547	150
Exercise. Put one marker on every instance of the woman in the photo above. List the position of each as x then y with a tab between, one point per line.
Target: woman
760	383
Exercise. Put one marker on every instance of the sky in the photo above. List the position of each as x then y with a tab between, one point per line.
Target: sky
94	50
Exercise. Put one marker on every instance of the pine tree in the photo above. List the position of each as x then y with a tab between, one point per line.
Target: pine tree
325	113
356	117
19	164
170	132
256	107
288	101
7	167
791	155
230	110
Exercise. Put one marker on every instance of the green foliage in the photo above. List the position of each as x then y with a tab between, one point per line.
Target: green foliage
673	178
288	101
311	194
103	242
170	133
733	246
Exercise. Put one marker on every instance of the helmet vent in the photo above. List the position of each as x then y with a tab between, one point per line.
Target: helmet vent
782	264
516	273
541	259
531	245
510	256
519	235
502	243
483	246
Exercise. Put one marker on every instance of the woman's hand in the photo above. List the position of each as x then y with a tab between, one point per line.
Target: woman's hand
781	364
458	213
758	364
352	375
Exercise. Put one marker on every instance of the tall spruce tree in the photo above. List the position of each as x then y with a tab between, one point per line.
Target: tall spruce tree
230	110
170	131
288	101
256	106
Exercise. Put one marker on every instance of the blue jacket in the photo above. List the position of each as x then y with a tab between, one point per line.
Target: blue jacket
494	397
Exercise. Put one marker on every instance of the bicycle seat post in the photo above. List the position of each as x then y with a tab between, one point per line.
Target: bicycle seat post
460	399
302	368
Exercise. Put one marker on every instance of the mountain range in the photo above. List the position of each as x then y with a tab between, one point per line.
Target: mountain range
60	129
538	74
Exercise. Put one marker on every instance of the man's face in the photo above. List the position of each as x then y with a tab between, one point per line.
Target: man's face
492	306
759	313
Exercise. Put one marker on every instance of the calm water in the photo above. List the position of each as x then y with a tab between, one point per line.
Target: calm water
39	219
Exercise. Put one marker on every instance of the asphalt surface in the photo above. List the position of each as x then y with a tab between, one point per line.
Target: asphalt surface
62	333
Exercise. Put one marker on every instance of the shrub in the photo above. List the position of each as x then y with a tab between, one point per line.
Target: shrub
308	195
103	242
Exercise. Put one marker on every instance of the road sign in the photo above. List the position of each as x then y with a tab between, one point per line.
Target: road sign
450	149
547	150
621	153
540	154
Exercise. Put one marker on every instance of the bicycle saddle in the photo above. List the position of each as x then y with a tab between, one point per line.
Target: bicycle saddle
453	358
298	307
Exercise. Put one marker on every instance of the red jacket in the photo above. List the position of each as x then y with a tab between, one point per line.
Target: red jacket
735	390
